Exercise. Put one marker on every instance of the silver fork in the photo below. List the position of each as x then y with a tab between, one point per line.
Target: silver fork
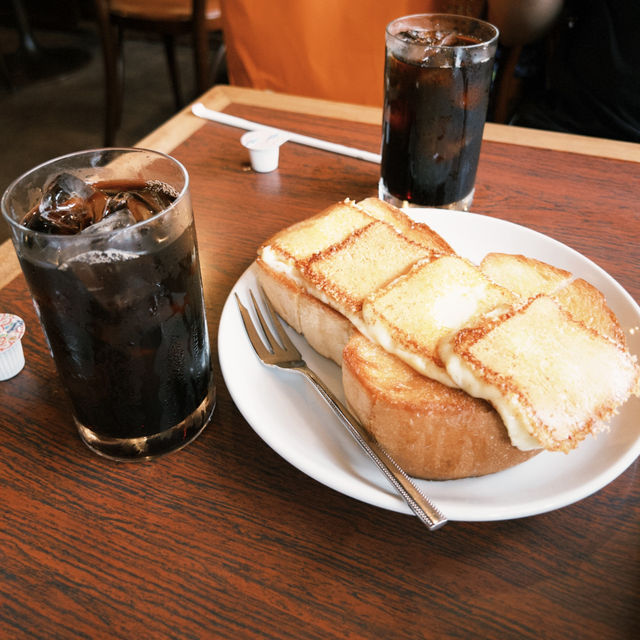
284	354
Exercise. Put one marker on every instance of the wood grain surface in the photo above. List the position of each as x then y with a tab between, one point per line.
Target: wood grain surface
227	540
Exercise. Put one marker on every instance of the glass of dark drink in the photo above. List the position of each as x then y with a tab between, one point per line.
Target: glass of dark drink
107	244
437	78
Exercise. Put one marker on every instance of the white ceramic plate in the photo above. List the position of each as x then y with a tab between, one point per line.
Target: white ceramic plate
293	420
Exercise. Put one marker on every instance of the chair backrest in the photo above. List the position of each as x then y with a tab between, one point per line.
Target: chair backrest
157	10
331	49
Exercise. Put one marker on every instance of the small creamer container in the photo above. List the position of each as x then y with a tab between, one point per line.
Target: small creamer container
11	354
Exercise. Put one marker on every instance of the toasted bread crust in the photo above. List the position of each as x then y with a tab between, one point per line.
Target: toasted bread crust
443	293
327	274
528	277
585	303
524	276
432	431
345	273
330	226
282	292
418	232
560	403
326	330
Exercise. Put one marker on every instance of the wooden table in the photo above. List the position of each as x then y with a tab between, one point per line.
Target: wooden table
227	540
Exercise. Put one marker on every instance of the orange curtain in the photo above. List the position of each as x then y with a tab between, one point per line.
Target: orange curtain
331	49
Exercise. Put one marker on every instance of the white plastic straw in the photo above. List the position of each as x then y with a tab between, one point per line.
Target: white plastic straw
198	109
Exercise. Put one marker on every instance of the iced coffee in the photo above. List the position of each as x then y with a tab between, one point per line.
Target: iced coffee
107	244
437	78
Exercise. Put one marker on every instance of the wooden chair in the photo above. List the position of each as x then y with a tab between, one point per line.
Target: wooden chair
168	19
332	49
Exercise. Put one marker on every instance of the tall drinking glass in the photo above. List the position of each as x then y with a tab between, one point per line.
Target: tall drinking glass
107	244
437	79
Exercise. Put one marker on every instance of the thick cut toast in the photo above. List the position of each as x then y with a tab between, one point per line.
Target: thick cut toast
410	315
586	303
524	276
555	370
528	277
303	239
346	273
312	235
282	258
326	330
552	379
431	430
421	233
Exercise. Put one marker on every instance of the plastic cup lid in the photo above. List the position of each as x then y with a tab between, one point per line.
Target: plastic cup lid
11	330
263	139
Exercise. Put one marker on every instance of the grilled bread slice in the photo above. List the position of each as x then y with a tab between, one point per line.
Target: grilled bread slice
282	257
528	277
326	330
285	249
341	269
586	303
419	232
410	315
432	431
279	274
552	379
524	276
331	226
343	275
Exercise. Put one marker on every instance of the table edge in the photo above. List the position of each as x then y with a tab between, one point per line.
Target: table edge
9	265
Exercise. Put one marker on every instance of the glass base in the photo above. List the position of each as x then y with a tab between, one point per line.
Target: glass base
156	445
460	205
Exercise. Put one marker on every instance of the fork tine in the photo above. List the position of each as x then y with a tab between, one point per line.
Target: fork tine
273	344
255	339
284	338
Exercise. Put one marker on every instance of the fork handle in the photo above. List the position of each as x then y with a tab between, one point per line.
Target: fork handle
428	513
